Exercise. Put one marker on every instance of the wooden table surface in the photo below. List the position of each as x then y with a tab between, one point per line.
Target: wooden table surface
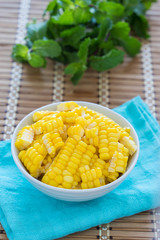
23	89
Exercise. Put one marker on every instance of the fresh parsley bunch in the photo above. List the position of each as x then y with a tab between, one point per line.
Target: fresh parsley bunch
85	33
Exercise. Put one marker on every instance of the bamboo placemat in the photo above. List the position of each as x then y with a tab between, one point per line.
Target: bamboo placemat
22	89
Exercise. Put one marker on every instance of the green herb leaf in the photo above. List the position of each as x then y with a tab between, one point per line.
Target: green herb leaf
82	15
106	46
108	61
114	10
65	19
76	77
140	26
51	6
83	3
37	31
19	53
72	68
104	29
47	48
83	50
36	60
73	35
131	45
120	30
76	70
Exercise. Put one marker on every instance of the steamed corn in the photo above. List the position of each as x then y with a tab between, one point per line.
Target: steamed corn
74	147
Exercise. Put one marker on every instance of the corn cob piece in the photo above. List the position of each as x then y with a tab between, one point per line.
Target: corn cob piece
38	127
67	106
53	143
128	142
81	121
50	116
92	136
118	163
68	117
93	113
105	169
93	160
90	177
87	155
112	176
24	138
33	157
55	125
76	132
122	149
41	114
99	163
54	176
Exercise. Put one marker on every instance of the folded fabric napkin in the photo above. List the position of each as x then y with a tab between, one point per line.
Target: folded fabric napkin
27	214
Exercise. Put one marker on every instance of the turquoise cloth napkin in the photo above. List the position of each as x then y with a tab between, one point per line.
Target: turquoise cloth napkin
27	214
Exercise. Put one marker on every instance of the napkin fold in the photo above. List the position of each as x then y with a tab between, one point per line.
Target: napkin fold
28	214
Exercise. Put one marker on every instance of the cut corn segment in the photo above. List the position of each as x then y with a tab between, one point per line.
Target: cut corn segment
33	157
76	132
53	143
91	177
118	163
41	114
129	143
24	138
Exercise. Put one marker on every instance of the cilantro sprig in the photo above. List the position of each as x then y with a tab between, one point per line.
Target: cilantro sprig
85	33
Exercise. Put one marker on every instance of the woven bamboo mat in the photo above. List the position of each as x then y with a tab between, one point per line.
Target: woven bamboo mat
22	89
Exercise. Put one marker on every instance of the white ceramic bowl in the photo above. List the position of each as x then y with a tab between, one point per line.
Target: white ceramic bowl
69	194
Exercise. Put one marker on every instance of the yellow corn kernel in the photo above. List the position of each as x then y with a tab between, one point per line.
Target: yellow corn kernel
76	132
24	138
67	106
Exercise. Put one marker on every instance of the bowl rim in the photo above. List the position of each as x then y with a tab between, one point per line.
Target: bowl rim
49	187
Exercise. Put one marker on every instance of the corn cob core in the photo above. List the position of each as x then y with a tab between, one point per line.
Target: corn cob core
74	147
24	138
